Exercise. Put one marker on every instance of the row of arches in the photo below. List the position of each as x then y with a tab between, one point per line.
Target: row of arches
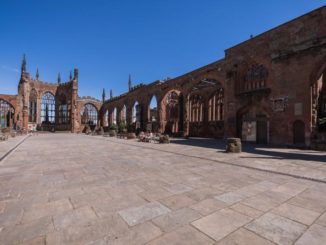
166	113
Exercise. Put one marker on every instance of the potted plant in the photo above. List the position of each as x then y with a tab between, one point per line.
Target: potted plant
113	130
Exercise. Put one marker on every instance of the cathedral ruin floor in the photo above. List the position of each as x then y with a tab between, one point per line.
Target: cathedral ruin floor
76	189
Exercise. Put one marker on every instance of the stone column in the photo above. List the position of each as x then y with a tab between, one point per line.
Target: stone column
205	117
186	115
74	112
129	115
160	115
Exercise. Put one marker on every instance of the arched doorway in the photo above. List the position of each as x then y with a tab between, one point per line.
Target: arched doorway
153	115
196	114
298	132
253	125
7	113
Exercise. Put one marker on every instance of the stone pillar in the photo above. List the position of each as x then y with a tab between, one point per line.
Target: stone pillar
129	115
118	116
74	111
186	115
205	117
110	118
160	115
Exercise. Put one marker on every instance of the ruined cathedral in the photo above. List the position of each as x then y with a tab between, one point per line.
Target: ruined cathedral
270	89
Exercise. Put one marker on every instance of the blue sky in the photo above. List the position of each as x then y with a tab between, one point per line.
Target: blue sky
107	40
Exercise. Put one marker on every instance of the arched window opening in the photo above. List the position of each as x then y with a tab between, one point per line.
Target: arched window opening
136	113
196	108
32	106
216	106
48	108
321	109
7	113
114	116
89	115
172	101
63	110
106	118
153	113
174	112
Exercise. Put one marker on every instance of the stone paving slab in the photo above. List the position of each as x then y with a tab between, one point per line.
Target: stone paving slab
277	229
221	223
76	189
134	216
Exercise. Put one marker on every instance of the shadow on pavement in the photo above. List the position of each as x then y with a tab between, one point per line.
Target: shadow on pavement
259	151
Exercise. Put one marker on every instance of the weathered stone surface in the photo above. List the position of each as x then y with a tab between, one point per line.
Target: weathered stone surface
143	213
173	220
246	210
208	206
233	145
139	234
322	220
302	215
221	223
244	237
77	216
315	235
75	196
185	235
177	201
277	229
230	197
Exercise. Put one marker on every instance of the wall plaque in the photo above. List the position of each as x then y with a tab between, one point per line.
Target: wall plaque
279	104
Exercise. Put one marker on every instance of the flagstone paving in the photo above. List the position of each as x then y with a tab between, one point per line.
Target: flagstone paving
77	189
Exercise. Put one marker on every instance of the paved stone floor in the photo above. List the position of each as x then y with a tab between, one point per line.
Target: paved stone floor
76	189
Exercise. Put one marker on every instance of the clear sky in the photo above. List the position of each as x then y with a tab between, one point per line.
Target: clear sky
108	39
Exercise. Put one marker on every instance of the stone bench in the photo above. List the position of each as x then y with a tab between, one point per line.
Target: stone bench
233	145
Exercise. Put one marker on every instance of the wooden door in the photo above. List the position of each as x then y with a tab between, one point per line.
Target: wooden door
262	132
298	133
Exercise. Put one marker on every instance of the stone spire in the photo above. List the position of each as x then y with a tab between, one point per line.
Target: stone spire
70	76
111	94
37	74
59	78
103	95
75	74
23	68
129	83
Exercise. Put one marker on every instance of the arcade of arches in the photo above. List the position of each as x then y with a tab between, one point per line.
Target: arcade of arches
269	89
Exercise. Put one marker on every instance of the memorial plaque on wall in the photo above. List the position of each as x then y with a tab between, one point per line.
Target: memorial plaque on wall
298	109
279	104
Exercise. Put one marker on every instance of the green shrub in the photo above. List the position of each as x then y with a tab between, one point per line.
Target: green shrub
113	127
122	127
